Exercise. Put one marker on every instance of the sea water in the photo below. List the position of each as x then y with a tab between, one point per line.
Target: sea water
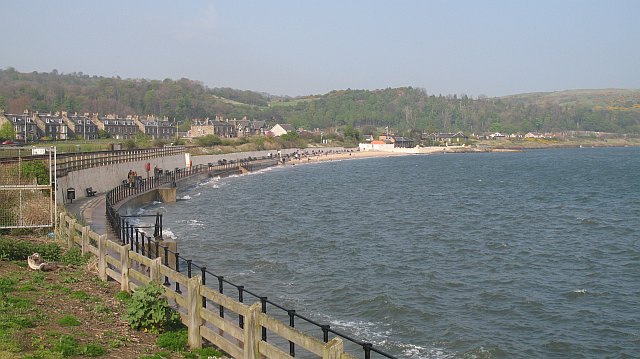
531	254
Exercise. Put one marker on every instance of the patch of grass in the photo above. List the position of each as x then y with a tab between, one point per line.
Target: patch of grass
67	345
123	296
43	354
68	321
173	340
83	296
159	355
74	256
203	353
93	350
27	288
69	279
8	284
101	308
38	277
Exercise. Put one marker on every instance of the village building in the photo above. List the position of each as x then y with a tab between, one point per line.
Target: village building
80	126
448	138
281	129
120	128
23	125
155	127
50	126
204	127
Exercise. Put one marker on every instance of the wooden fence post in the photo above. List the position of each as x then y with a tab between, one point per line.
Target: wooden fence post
252	332
102	257
124	264
62	223
154	270
194	305
70	233
85	239
333	349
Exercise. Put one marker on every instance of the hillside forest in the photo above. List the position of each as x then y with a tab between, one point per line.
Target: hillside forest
407	110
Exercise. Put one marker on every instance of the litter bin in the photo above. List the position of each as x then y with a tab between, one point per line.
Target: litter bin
71	194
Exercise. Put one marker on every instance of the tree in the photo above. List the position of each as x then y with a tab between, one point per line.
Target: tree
351	133
103	134
6	131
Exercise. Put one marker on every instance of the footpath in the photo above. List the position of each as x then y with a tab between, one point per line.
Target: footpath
93	212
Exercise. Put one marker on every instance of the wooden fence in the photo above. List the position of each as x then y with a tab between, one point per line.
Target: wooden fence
246	340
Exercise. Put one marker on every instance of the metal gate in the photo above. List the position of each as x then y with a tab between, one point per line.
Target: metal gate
27	187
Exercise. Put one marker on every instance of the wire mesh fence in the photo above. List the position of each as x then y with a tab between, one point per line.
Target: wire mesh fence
26	187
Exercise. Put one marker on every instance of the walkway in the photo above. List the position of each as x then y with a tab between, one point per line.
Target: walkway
92	210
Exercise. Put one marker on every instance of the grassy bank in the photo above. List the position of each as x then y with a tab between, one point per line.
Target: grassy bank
69	312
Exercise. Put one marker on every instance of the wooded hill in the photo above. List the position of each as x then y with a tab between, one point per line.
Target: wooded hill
404	109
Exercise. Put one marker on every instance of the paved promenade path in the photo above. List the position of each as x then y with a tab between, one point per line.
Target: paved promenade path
92	210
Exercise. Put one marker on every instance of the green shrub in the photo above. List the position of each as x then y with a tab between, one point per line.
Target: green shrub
148	311
208	141
15	250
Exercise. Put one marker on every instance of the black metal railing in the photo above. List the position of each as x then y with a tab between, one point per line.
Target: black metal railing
151	247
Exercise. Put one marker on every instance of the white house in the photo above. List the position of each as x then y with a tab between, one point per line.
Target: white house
281	129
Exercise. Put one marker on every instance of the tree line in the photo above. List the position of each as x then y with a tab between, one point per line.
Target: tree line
406	110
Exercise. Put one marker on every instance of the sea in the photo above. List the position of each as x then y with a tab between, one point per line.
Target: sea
532	254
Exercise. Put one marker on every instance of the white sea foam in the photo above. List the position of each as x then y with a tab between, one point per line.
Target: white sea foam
195	222
166	233
186	197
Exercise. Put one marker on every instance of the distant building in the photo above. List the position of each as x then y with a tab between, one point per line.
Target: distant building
282	129
51	126
80	126
204	127
23	125
448	138
155	127
121	128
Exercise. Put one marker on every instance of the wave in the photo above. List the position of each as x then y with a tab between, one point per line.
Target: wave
185	197
576	293
166	233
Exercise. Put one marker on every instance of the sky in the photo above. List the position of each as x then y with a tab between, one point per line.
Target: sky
304	47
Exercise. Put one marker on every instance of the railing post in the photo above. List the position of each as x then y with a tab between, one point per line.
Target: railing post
367	350
325	333
333	349
203	270
263	301
166	263
240	299
221	290
194	306
292	324
178	270
252	333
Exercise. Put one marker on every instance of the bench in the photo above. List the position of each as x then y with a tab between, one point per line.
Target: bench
91	192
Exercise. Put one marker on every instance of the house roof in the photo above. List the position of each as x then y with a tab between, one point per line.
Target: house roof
287	127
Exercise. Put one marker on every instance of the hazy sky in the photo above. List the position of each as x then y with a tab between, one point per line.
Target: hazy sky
301	47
